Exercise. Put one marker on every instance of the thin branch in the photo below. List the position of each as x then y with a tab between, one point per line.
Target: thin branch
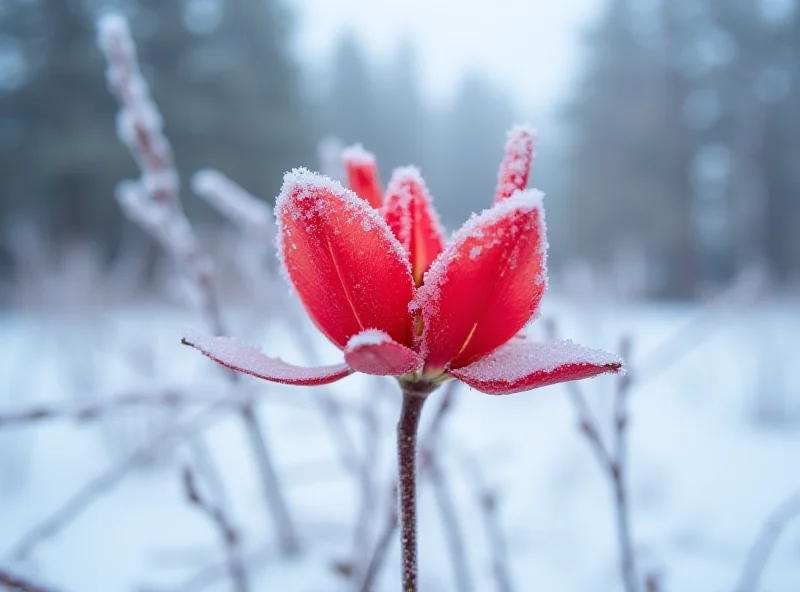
90	491
140	128
228	534
487	501
452	528
613	462
92	410
14	583
759	554
619	474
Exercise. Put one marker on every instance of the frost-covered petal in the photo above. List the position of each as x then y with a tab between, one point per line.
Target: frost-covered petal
374	352
516	165
410	214
362	174
345	263
486	284
244	358
522	365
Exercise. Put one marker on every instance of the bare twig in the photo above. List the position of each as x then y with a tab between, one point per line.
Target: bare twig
14	583
619	474
764	545
86	495
228	534
487	501
452	528
613	462
91	410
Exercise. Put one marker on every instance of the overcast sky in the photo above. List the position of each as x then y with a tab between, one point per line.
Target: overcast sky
531	47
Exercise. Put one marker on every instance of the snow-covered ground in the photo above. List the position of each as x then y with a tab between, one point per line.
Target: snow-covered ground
714	448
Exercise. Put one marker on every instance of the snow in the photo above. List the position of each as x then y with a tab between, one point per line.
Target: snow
304	193
368	337
526	357
704	471
399	194
357	155
527	200
238	356
516	165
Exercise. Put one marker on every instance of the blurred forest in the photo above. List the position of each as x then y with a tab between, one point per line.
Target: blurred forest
676	165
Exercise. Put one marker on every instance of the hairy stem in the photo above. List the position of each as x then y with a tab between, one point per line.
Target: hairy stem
407	468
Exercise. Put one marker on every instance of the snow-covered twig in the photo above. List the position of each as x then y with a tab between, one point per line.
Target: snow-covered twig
228	533
764	545
247	212
153	203
139	123
14	583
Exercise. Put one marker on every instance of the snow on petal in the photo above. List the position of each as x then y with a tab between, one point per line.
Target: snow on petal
362	174
486	285
348	268
249	360
374	352
522	365
410	214
516	166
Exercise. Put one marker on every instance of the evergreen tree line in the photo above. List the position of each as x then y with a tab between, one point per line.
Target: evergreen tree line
232	97
684	143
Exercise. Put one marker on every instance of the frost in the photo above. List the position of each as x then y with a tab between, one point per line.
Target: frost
427	296
399	195
369	337
516	165
314	197
522	364
374	352
357	155
250	360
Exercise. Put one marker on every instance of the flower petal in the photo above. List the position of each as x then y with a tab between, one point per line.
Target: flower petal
244	358
516	166
362	174
374	352
522	365
345	263
410	214
486	284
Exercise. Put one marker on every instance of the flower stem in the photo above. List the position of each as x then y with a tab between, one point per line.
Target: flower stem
407	466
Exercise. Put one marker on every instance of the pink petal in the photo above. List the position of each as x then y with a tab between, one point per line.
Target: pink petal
343	260
374	352
244	358
409	212
522	365
516	166
362	174
486	285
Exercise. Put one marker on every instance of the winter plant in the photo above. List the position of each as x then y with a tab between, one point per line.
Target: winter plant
381	281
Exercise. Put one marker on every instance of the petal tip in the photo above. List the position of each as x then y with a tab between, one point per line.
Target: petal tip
357	154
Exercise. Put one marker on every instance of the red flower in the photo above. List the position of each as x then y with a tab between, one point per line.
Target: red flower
382	283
